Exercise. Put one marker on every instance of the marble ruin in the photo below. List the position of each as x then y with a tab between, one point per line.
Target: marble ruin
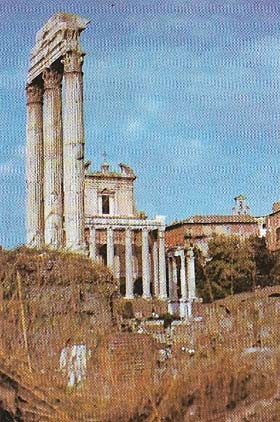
71	207
55	145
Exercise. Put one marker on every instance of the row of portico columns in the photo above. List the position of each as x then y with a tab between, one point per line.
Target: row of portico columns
55	157
158	251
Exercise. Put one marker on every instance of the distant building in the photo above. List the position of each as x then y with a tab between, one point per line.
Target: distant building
273	228
199	229
241	207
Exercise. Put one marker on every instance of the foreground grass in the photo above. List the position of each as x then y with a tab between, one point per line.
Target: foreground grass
223	367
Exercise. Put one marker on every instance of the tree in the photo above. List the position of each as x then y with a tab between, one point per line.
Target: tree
203	287
265	263
231	266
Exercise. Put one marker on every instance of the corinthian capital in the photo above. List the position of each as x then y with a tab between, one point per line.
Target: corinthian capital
34	94
52	78
73	61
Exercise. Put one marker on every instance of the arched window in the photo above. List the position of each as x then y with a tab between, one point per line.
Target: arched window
278	234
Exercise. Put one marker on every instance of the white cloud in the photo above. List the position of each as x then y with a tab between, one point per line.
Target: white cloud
6	168
134	125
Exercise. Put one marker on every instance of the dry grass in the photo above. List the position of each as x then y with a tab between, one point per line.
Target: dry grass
67	299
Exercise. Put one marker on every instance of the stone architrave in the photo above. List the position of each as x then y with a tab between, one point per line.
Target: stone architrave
145	264
191	274
73	155
162	265
128	265
34	167
53	162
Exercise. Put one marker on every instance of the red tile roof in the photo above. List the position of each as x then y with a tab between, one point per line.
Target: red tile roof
217	219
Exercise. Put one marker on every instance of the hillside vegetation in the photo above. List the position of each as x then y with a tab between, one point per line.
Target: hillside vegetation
222	366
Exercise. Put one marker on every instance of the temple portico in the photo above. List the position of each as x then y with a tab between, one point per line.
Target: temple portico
140	241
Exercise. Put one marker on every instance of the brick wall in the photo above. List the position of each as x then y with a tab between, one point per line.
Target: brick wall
273	236
200	234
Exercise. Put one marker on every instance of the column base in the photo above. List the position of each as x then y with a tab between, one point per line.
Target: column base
185	308
173	307
129	297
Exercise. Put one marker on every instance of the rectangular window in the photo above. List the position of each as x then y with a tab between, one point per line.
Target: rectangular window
105	204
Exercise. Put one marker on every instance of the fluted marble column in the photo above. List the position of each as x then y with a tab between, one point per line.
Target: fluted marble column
110	248
183	276
34	167
128	266
92	242
73	155
155	262
53	159
162	268
145	264
172	276
191	274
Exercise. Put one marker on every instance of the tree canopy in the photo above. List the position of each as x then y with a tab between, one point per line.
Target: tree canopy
234	265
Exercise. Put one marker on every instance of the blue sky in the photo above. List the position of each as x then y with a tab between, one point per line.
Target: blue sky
187	92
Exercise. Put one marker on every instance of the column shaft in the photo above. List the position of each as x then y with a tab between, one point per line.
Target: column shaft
34	167
162	270
53	159
92	243
73	142
183	277
191	274
128	265
155	262
110	248
145	264
173	295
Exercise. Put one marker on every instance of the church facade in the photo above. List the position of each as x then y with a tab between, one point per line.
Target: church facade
131	244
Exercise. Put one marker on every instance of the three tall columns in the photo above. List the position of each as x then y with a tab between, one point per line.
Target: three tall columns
55	158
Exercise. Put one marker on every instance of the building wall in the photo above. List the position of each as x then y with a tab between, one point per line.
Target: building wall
273	231
200	234
121	188
174	236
